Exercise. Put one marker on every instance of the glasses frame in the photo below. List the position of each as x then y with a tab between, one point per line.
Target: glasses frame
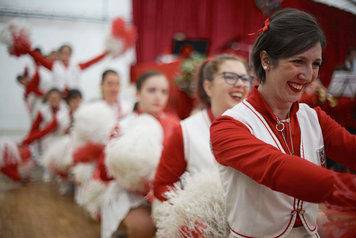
244	78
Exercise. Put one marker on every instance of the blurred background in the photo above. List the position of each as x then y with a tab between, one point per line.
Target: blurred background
208	26
82	24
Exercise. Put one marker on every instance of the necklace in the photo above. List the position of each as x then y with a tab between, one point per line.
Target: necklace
280	127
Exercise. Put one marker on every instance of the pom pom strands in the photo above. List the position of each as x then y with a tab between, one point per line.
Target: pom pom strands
58	157
121	38
93	196
197	210
341	218
9	153
132	158
88	126
16	36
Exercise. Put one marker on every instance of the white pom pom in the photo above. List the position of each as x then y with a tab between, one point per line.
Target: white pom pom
83	172
58	157
133	157
93	197
199	206
114	45
93	122
9	149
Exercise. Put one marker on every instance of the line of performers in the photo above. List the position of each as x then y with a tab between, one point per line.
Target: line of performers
250	164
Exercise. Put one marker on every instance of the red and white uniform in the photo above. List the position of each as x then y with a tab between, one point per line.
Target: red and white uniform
118	201
65	76
90	151
48	125
91	129
188	149
121	108
268	192
40	81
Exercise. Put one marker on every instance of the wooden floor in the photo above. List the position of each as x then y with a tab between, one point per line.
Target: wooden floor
37	210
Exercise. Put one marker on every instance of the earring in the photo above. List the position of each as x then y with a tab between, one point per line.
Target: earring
264	67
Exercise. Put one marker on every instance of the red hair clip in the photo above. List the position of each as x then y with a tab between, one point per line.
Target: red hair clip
264	28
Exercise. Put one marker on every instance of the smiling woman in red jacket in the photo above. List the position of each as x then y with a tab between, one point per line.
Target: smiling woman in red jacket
270	148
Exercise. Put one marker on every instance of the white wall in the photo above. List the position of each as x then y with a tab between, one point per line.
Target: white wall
86	38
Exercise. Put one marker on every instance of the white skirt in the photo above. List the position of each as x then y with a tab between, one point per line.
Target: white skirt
117	204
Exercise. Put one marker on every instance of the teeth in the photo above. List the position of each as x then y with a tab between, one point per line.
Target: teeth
296	86
236	95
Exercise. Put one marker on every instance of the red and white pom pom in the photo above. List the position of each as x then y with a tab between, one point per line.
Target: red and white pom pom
26	166
15	161
341	219
121	38
9	152
16	36
132	159
197	210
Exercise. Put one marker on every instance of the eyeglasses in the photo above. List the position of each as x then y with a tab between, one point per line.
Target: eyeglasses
231	78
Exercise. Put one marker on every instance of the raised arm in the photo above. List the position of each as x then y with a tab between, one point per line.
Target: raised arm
90	62
39	58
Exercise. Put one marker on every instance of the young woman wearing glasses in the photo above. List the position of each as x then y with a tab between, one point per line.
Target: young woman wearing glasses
223	82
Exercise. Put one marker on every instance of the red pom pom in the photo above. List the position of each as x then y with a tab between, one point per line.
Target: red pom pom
118	28
21	43
122	37
341	208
